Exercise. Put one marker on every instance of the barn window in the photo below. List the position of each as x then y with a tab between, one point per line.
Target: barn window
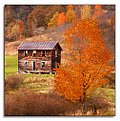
56	53
42	64
43	53
26	52
34	52
26	63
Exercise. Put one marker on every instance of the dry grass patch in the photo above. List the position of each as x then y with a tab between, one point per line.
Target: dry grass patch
25	102
13	82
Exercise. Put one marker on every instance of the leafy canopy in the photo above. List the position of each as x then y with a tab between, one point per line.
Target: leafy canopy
88	61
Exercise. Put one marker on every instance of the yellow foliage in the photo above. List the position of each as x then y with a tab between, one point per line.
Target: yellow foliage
53	21
86	12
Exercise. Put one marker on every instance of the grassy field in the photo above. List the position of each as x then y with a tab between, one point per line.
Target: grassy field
44	83
11	65
109	95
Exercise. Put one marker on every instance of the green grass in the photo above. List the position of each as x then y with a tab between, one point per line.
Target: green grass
11	65
42	76
107	93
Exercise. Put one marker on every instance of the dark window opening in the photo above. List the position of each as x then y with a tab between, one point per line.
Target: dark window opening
43	53
34	53
56	53
33	65
26	64
43	64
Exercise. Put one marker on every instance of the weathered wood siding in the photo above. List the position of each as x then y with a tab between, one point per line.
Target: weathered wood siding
38	59
21	54
25	62
38	66
54	58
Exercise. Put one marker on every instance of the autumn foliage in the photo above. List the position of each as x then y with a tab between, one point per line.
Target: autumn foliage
88	61
86	12
15	30
37	16
53	21
57	19
61	19
98	11
70	14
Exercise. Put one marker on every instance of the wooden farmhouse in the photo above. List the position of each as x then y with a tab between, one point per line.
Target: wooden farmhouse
39	57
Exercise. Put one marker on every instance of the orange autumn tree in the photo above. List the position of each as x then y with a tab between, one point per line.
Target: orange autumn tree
61	19
70	14
98	11
88	61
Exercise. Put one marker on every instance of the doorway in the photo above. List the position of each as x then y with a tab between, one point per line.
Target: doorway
33	65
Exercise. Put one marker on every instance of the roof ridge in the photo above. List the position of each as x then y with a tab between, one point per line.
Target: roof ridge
40	42
37	45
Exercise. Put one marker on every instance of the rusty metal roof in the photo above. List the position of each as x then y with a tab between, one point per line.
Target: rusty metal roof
38	45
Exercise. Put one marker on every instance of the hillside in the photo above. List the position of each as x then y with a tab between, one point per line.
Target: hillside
14	35
57	34
53	34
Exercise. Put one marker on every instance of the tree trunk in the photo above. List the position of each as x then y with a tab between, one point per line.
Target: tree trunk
84	106
94	110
